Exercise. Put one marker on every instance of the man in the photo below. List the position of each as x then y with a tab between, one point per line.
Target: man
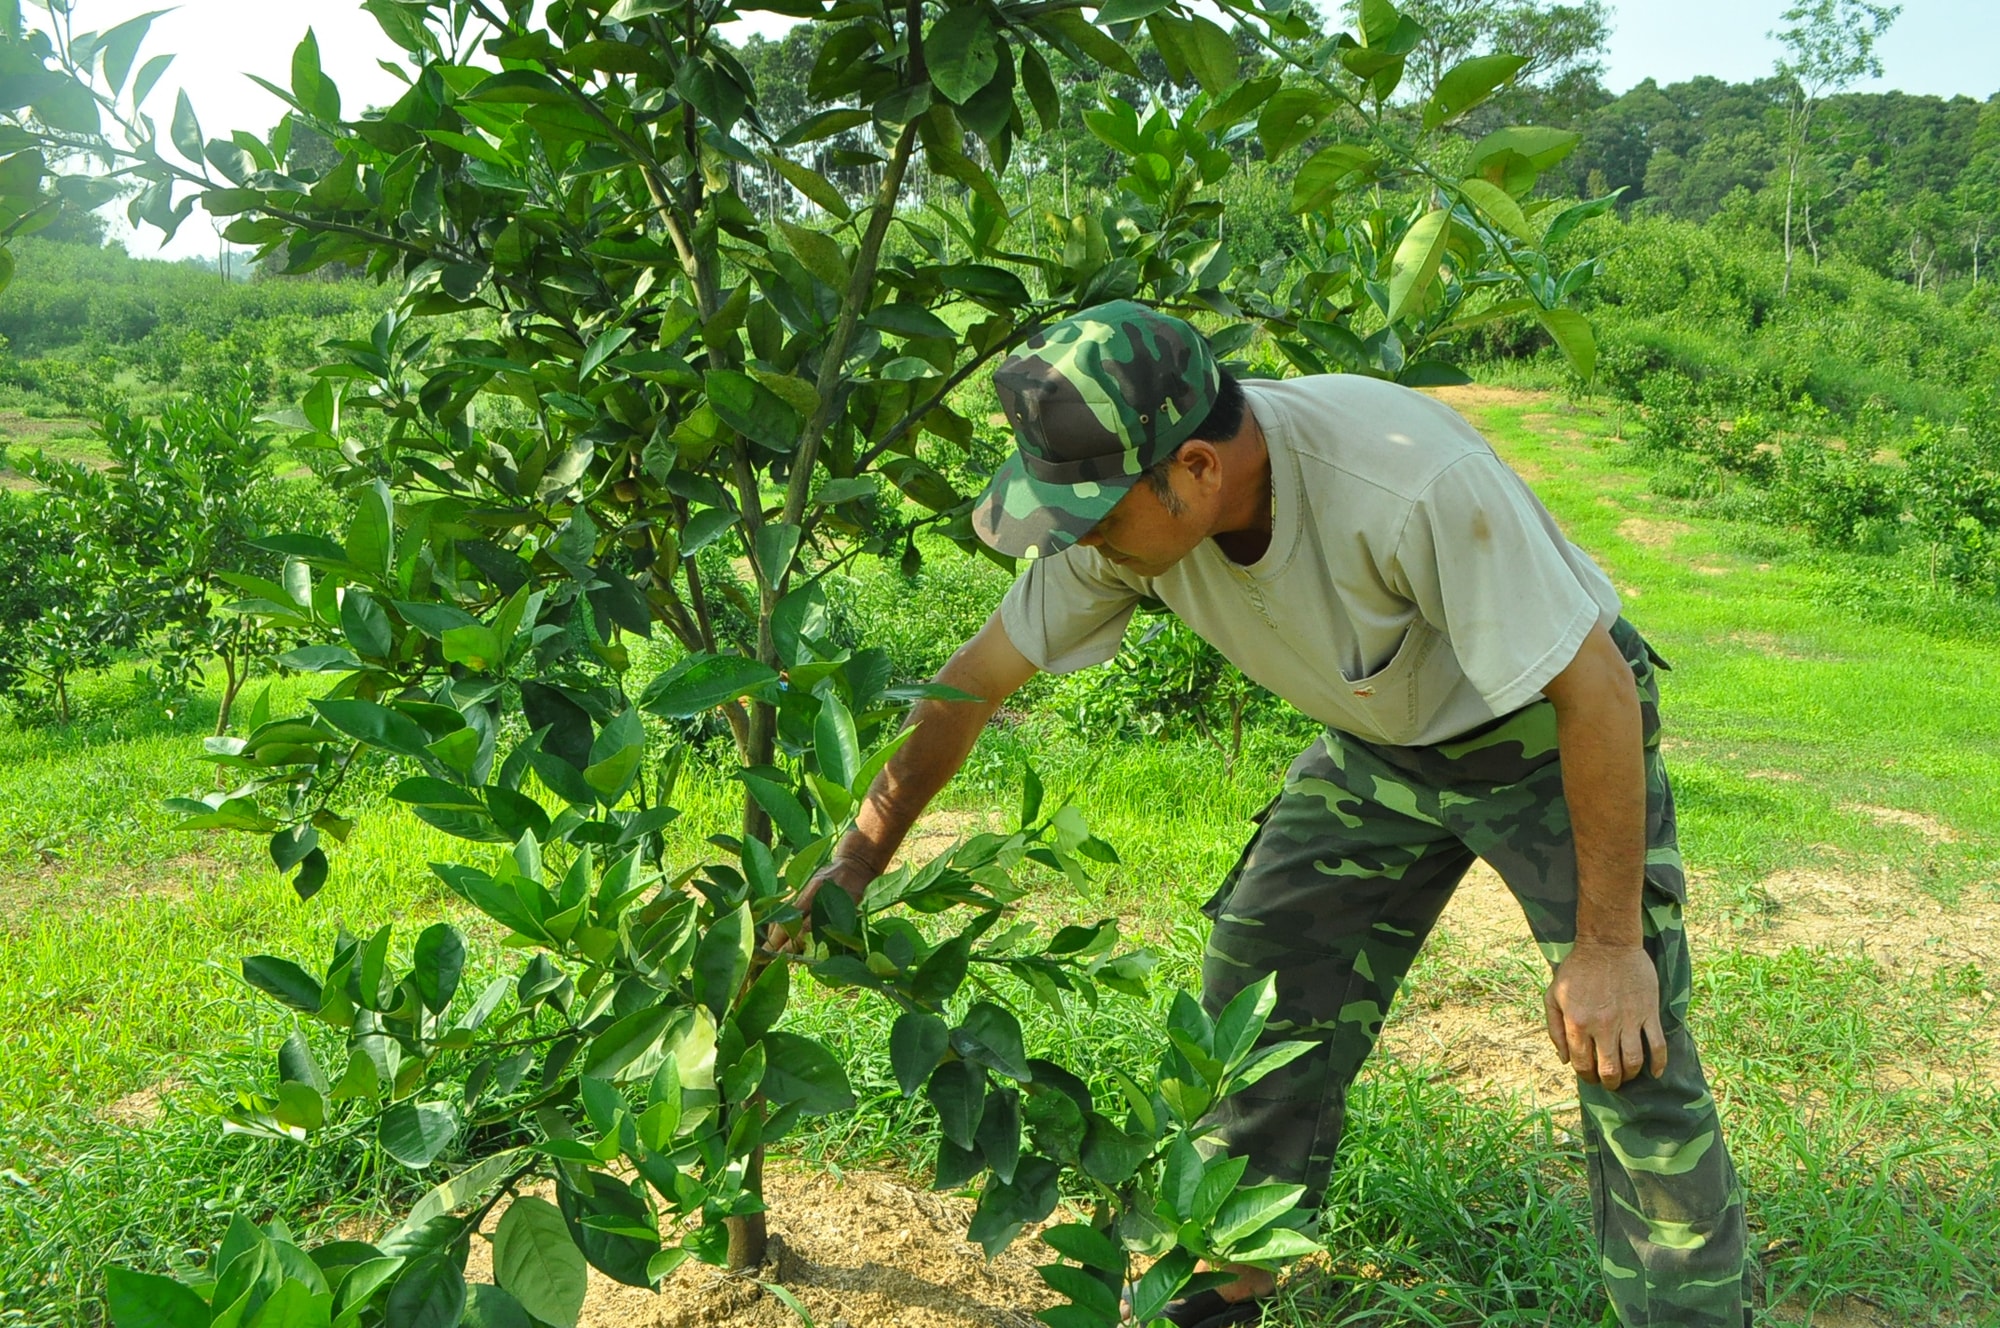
1359	550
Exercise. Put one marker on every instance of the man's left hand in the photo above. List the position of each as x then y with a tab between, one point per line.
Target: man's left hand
1604	1013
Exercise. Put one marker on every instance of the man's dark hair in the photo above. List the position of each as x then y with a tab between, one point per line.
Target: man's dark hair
1222	423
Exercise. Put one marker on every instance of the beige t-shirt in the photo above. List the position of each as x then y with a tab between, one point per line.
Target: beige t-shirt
1414	587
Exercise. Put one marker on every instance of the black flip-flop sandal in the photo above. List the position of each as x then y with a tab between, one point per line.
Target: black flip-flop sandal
1207	1309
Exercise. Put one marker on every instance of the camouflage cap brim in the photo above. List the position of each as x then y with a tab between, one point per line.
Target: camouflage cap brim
1024	517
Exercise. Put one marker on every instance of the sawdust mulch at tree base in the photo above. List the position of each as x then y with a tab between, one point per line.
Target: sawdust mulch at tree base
858	1250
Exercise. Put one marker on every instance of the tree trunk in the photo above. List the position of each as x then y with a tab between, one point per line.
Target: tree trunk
1791	188
231	684
748	1236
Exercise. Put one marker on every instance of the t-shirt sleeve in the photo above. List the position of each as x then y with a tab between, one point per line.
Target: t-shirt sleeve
1068	611
1487	565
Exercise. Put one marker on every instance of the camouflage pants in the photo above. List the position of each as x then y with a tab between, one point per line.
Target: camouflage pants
1349	869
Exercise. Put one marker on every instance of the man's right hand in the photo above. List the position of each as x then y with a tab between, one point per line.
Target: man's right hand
850	874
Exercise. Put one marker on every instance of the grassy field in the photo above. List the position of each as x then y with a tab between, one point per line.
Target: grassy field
1835	740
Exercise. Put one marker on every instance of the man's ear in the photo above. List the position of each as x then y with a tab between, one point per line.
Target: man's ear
1202	461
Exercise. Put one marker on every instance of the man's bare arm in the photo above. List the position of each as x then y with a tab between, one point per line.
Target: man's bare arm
1603	1006
988	667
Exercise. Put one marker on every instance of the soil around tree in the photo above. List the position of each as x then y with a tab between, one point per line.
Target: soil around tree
856	1249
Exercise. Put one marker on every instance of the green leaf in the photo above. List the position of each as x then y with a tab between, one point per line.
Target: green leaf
1150	1294
602	348
814	186
1415	265
943	970
802	1073
478	647
1539	147
1240	102
1275	1244
1110	1154
774	546
820	254
1040	86
794	822
415	1133
834	492
1124	11
1031	796
149	74
1242	1020
615	757
1264	1061
823	125
292	845
612	1226
722	959
962	50
1379	19
284	980
517	86
1499	207
1211	55
429	1294
958	1093
1251	1209
917	1042
764	1004
1087	1246
142	1300
365	624
1005	1207
999	1133
990	1036
536	1262
1290	117
487	1306
834	742
315	92
468	1185
753	410
1325	173
296	1062
1468	83
1572	333
120	47
631	1048
376	725
186	129
1096	44
702	682
983	281
1571	217
440	959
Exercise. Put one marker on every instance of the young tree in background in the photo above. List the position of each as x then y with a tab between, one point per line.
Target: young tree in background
1832	45
1977	192
1563	43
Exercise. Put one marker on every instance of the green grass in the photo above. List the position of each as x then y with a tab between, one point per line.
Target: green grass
1835	668
120	939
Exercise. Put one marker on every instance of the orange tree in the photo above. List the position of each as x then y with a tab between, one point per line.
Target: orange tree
613	400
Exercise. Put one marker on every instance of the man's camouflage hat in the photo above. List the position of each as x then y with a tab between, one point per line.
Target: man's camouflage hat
1094	400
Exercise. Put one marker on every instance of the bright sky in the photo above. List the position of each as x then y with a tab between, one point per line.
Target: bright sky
1944	47
1941	47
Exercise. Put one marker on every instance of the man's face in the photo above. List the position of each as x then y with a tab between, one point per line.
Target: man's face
1146	535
